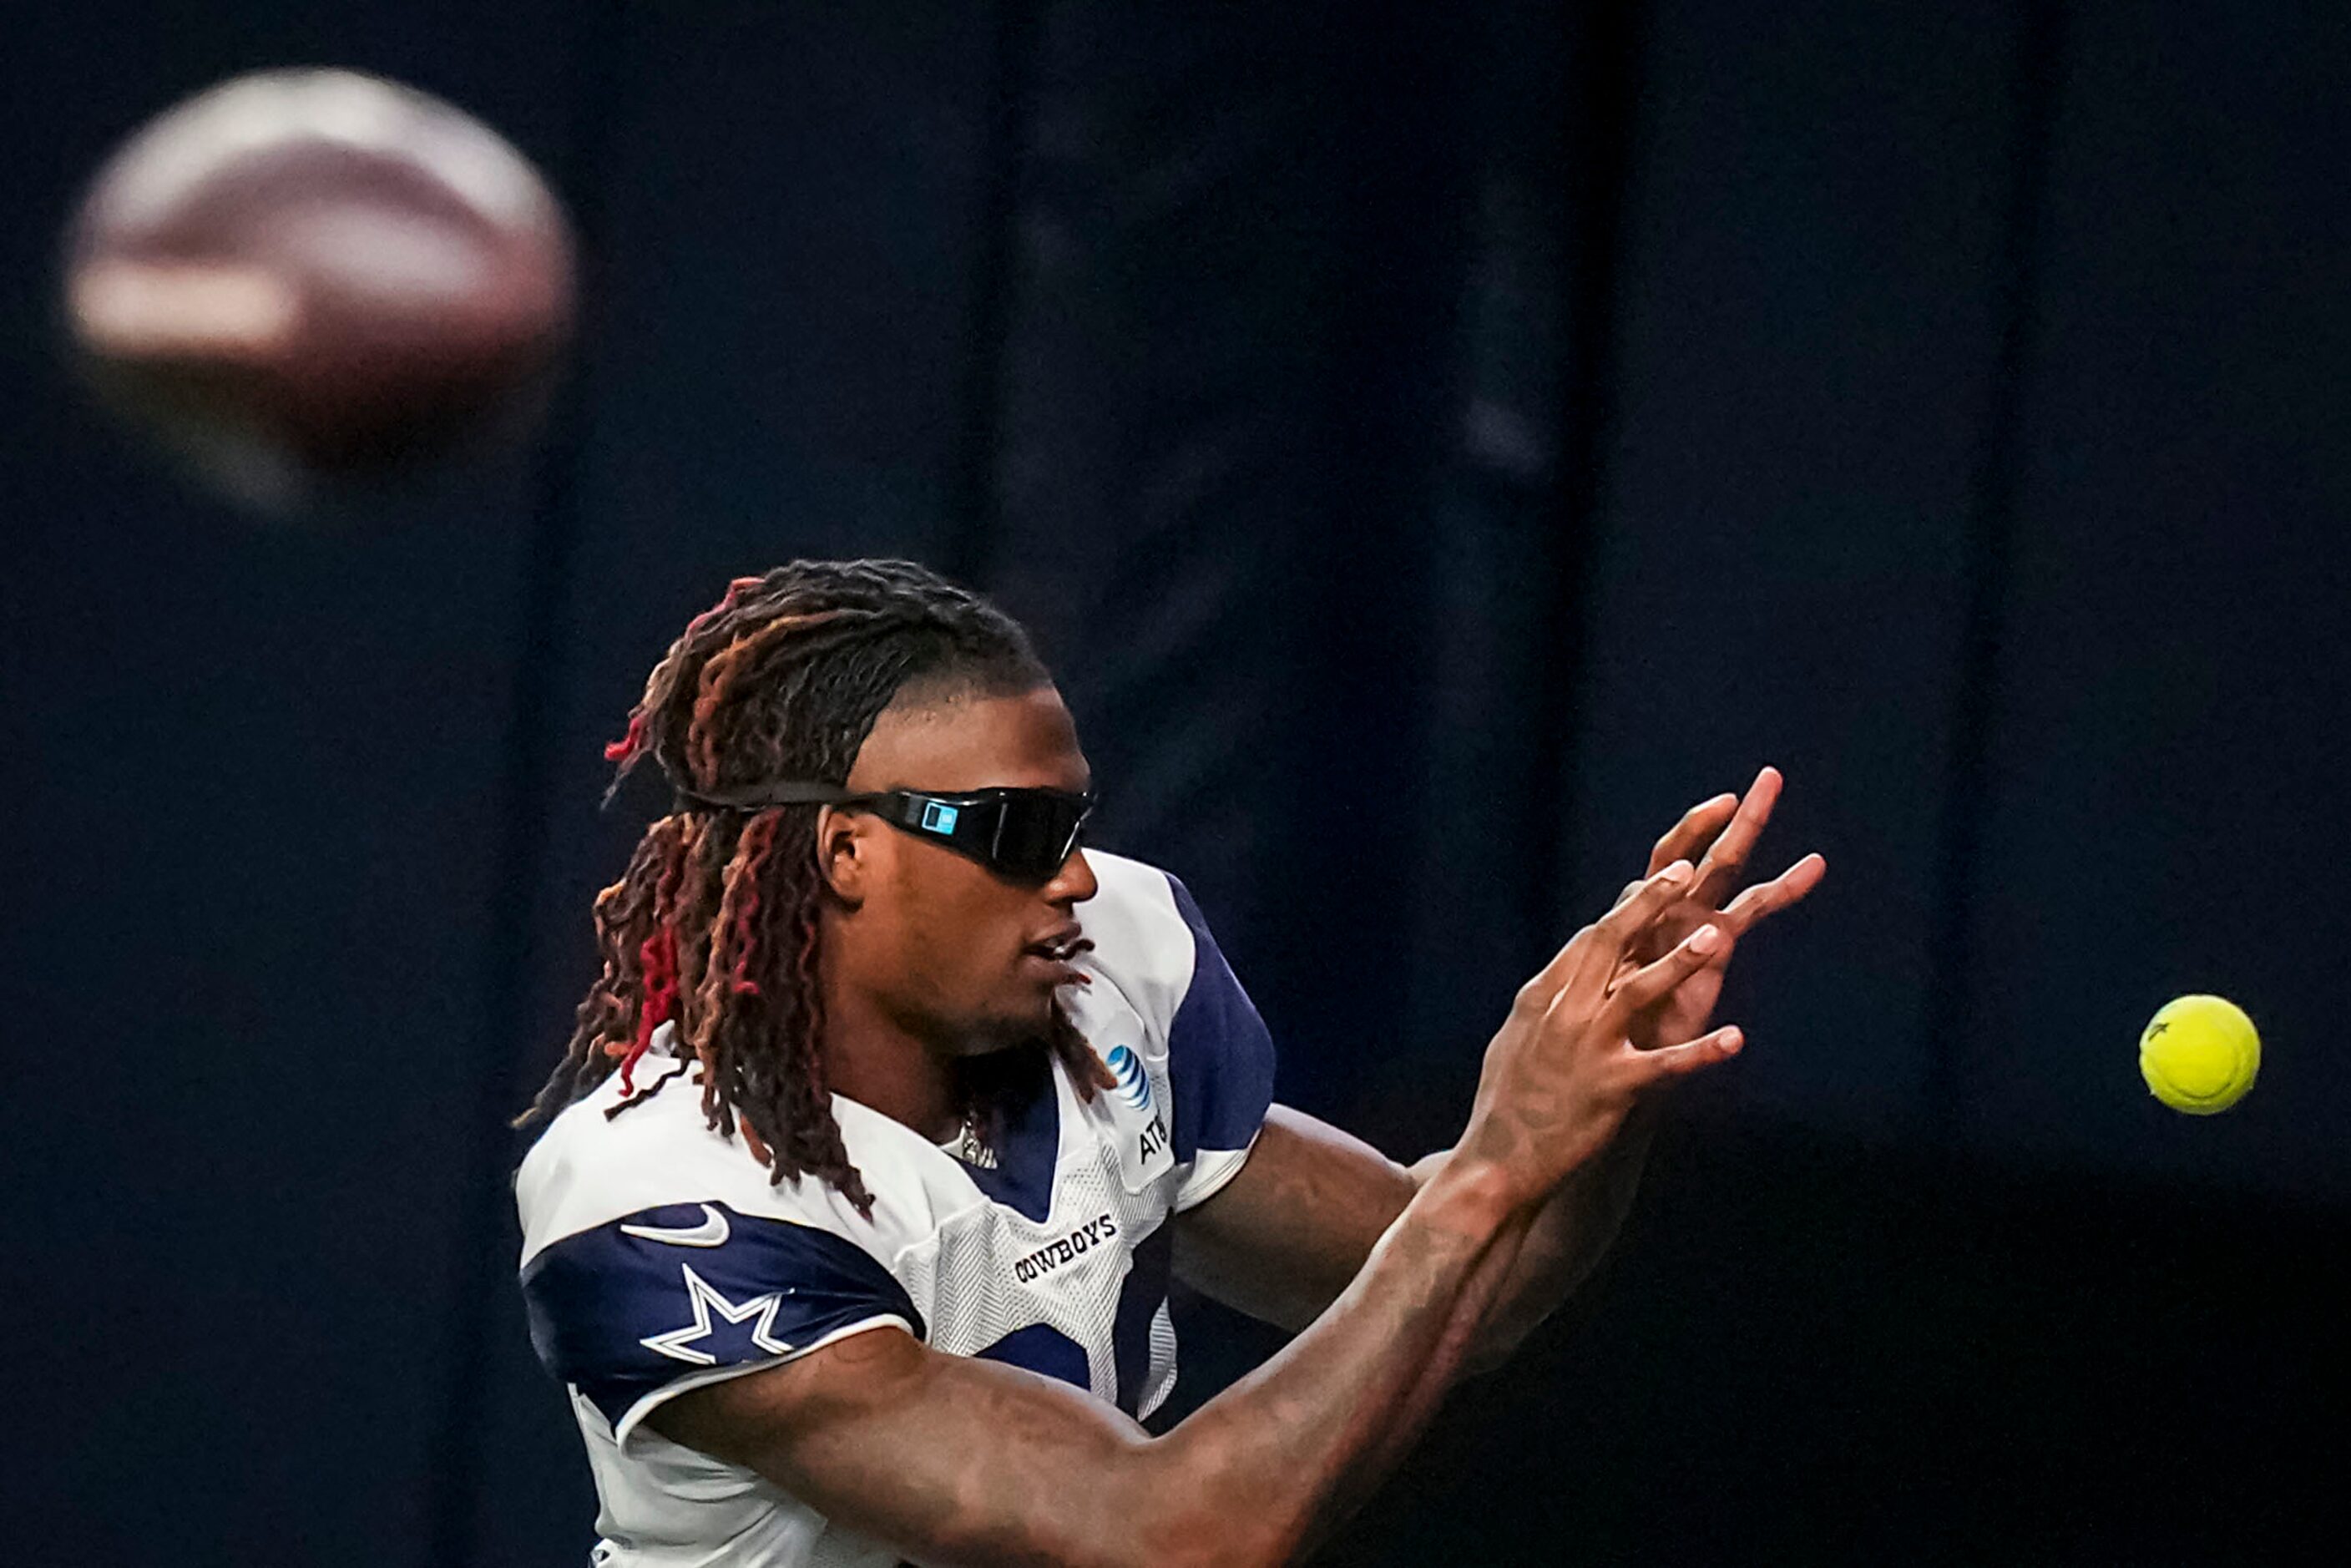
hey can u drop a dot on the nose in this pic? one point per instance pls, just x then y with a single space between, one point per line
1074 882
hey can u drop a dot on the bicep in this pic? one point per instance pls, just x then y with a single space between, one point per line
1293 1229
950 1459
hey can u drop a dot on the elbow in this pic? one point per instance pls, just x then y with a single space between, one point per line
1188 1520
1144 1532
1204 1537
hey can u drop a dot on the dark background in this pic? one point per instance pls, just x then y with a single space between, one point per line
1434 446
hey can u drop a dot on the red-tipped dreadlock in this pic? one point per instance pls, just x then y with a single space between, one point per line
713 925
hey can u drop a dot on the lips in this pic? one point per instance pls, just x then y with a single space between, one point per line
1061 947
1055 955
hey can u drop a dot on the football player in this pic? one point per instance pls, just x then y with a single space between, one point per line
894 1110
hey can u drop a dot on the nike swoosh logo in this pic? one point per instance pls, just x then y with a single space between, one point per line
711 1232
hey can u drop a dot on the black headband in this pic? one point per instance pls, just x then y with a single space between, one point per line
760 796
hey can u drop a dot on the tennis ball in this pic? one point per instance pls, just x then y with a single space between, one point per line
2198 1055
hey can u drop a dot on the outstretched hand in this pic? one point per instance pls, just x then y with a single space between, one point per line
1562 1074
1716 836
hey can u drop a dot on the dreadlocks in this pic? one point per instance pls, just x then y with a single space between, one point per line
715 923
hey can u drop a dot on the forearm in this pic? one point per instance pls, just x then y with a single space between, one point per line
991 1465
1291 1449
1565 1240
1292 1231
958 1461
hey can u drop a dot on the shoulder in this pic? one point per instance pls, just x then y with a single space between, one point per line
1153 945
592 1168
1142 944
1148 935
657 1255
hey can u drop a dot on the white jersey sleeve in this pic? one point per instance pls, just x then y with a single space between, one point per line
658 1258
652 1303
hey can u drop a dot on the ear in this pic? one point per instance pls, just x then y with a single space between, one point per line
845 853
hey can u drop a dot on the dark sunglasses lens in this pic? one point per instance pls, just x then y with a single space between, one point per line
1038 833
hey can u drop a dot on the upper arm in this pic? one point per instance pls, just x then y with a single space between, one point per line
633 1311
1288 1232
789 1349
950 1459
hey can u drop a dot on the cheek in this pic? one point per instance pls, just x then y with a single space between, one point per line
960 938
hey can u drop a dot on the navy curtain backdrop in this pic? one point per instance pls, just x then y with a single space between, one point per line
1435 446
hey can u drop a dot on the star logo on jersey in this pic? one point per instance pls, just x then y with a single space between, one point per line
759 1311
1132 1086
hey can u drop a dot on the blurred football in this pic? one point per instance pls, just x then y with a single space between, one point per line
308 281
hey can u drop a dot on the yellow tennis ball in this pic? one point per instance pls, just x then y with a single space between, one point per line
2198 1055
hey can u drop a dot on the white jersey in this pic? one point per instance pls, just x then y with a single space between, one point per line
658 1256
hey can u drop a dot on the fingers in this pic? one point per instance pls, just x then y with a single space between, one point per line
1768 898
1595 950
1672 1061
1719 871
1631 915
1697 829
1646 985
1622 926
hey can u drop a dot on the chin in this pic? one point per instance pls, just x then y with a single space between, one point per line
986 1036
1021 1023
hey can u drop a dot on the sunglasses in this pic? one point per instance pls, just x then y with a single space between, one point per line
1024 834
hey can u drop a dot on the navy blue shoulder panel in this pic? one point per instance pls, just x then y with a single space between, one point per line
652 1296
1219 1053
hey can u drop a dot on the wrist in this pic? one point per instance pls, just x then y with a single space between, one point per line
1469 1193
